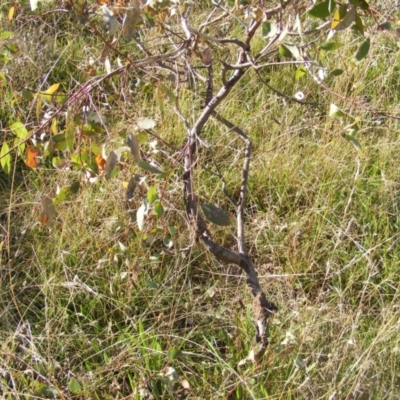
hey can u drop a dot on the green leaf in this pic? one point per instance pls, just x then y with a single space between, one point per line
152 284
152 195
331 46
216 215
5 159
172 230
173 354
343 18
5 35
354 141
74 386
289 50
47 392
358 25
168 92
148 167
336 72
300 72
323 10
27 95
269 29
19 130
159 209
66 192
363 50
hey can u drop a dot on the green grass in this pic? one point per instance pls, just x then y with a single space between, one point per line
90 311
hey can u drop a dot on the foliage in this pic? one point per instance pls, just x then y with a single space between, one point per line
104 126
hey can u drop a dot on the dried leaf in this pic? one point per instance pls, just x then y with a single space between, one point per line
30 156
133 144
110 20
141 214
132 18
111 162
145 123
101 162
48 211
206 56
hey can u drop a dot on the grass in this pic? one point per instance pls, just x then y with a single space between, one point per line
90 310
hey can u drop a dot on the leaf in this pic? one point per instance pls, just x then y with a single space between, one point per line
47 392
335 111
101 162
343 18
48 211
110 20
152 195
130 190
27 94
168 92
354 141
336 72
30 156
66 192
133 144
74 386
33 4
269 29
48 94
363 50
5 35
152 284
18 129
11 13
159 209
174 353
148 167
300 72
206 56
358 26
5 158
132 18
111 162
3 79
331 46
323 10
284 51
141 214
216 215
145 123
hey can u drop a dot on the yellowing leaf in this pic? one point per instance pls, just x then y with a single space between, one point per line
343 18
11 13
48 94
5 158
30 156
18 129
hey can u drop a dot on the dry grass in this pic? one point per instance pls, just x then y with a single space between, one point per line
87 311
